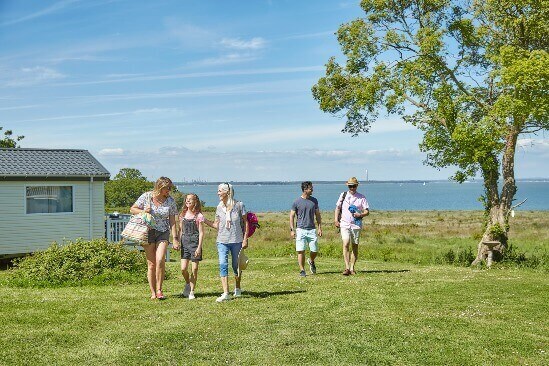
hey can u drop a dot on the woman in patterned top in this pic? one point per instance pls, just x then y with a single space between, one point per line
162 207
232 232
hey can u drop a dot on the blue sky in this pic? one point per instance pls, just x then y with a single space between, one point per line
211 90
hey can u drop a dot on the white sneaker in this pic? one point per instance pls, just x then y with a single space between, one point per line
223 297
237 292
191 296
186 290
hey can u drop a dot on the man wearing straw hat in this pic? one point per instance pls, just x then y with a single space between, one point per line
351 207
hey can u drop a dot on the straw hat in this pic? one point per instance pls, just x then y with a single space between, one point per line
352 181
242 260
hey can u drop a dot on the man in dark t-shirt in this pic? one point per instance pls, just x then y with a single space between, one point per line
306 209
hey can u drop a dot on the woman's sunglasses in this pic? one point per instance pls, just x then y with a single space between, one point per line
352 186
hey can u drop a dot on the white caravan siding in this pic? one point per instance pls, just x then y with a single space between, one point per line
25 233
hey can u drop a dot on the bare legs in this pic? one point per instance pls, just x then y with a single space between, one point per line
346 243
190 278
156 266
301 259
354 257
350 256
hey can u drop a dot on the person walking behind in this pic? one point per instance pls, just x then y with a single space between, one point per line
232 237
306 209
191 223
162 207
351 207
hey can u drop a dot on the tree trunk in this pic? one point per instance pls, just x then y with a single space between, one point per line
498 206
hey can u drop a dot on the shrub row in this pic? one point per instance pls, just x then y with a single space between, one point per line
79 262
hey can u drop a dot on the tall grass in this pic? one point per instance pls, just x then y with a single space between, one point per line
426 237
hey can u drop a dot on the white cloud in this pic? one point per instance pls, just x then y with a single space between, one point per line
263 71
225 59
20 107
316 164
99 115
255 43
309 35
111 152
33 75
189 35
533 144
57 7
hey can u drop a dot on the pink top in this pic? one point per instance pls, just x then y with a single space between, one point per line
359 200
190 215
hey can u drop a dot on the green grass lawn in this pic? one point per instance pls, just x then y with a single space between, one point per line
387 314
400 309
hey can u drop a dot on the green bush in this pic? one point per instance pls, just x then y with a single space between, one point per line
79 262
462 257
513 257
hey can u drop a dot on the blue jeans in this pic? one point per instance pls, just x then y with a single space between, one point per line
223 252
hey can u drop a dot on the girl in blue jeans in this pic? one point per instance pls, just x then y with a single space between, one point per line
232 230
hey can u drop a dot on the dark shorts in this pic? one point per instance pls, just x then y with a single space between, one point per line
158 236
187 252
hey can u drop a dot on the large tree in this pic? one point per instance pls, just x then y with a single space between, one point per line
8 140
473 75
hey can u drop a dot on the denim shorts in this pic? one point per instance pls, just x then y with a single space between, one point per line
156 237
187 252
304 237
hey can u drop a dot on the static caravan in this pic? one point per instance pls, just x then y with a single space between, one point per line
49 195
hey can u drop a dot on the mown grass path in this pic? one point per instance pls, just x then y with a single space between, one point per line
387 314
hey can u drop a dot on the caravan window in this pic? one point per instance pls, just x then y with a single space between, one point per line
49 199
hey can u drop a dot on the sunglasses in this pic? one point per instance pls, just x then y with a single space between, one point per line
352 186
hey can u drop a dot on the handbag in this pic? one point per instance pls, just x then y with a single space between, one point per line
137 228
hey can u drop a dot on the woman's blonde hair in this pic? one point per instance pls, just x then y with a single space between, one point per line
226 187
160 183
197 207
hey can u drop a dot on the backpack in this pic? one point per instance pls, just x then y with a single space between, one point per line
253 223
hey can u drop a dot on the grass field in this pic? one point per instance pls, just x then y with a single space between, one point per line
421 237
400 309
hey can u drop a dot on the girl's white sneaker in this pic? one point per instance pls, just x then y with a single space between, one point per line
223 297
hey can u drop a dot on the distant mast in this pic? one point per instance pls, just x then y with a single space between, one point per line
366 175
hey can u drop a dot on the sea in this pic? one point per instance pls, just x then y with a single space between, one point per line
392 196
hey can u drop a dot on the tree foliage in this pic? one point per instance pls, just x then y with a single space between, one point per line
126 187
472 75
9 141
129 173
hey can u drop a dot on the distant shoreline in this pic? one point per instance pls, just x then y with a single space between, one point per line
200 183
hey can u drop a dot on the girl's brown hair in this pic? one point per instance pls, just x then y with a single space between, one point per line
197 207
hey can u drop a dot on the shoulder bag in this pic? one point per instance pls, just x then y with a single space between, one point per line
137 228
341 208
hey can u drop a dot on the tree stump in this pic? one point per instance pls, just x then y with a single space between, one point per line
490 245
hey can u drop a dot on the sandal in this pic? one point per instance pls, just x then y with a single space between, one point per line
346 272
160 295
